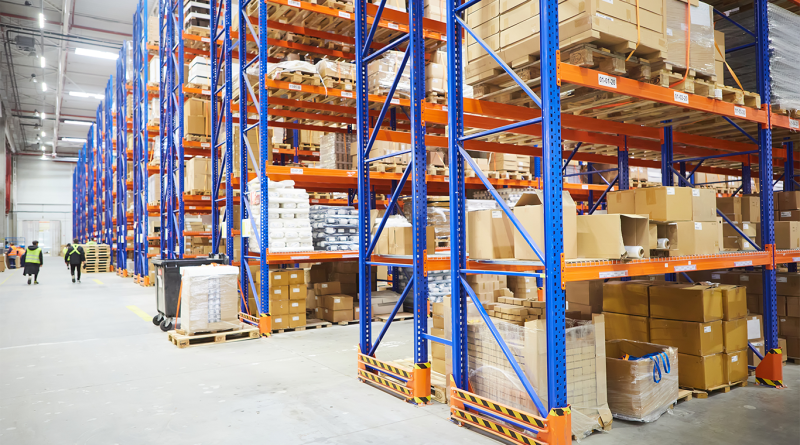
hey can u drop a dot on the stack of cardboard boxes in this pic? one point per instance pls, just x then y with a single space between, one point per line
745 212
197 175
333 151
438 329
787 220
334 291
197 117
504 162
706 322
287 298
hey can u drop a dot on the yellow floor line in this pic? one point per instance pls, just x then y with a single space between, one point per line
97 281
142 314
4 280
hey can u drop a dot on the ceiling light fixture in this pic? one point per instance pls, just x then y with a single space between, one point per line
41 20
43 61
79 140
98 54
44 86
43 133
84 123
82 94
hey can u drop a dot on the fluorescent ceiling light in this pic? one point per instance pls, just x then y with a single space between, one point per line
43 134
43 61
43 148
44 115
79 140
44 86
41 20
82 94
98 54
85 123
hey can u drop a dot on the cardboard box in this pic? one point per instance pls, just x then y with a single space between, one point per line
788 200
278 278
789 326
297 306
607 236
755 330
311 299
751 208
585 293
626 327
733 241
792 306
279 293
490 235
693 302
734 301
279 322
753 281
781 305
664 203
530 212
689 337
689 237
318 273
297 320
296 276
788 284
704 203
337 302
730 205
789 215
793 347
197 174
734 366
734 335
787 235
400 241
700 372
279 307
328 288
298 292
632 392
627 297
755 303
337 316
621 202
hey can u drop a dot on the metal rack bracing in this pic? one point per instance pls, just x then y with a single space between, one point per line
121 162
141 149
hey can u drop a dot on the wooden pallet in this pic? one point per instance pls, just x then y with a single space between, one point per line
310 324
346 322
400 316
197 137
519 176
438 171
436 97
794 360
387 167
704 393
197 192
684 395
246 332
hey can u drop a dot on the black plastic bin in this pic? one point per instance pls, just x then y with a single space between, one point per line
168 286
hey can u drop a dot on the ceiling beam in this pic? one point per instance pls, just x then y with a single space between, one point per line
52 22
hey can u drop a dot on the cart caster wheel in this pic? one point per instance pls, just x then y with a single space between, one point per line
158 319
166 325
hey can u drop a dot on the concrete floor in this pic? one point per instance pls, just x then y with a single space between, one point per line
78 366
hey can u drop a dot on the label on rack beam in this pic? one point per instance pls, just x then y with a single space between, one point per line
350 255
444 108
205 144
715 276
295 87
393 26
344 15
606 81
296 171
794 124
205 39
294 3
614 274
315 201
300 257
205 198
686 268
742 264
681 97
740 111
205 92
796 259
396 101
191 207
585 186
347 94
782 279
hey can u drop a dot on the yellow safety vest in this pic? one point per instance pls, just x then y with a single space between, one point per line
33 256
91 242
74 250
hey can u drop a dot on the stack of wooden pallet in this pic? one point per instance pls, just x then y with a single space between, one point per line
98 257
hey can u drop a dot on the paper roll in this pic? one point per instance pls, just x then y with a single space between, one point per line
663 243
634 251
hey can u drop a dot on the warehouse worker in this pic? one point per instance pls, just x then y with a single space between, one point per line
93 241
75 257
33 260
15 253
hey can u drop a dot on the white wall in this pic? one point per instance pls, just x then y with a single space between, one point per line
43 192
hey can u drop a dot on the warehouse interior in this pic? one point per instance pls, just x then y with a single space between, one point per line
494 221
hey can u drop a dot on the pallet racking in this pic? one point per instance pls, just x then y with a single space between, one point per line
140 152
121 163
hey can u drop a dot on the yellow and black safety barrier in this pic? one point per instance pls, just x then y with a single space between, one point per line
473 399
384 366
493 427
396 387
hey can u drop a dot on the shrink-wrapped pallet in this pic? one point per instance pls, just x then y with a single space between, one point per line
699 30
784 57
209 298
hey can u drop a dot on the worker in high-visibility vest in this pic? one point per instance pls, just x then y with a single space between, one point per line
33 260
92 242
75 257
14 255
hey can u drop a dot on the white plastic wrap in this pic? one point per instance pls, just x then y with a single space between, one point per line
634 392
784 54
700 32
334 228
209 298
288 213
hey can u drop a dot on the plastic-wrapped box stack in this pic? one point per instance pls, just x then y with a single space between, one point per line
510 195
701 36
334 228
438 285
209 299
333 151
382 73
289 225
784 55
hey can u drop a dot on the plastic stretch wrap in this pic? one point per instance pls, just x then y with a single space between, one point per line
209 298
636 389
784 54
334 228
289 223
492 376
382 73
700 33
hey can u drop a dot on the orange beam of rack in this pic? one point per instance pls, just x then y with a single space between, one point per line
787 256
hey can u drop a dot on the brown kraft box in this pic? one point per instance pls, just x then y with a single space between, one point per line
627 297
734 335
626 327
686 302
689 337
329 288
734 366
700 372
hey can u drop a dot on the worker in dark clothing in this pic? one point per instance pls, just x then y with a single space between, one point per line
75 257
33 260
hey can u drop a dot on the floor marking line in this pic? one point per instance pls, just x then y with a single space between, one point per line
142 314
5 280
97 281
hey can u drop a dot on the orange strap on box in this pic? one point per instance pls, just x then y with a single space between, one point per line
638 32
688 41
729 67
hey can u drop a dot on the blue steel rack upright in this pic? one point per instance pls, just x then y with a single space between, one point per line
91 187
414 386
171 55
140 144
107 233
121 161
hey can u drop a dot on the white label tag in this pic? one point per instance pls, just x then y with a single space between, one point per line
603 16
669 32
496 214
794 124
609 1
294 3
300 257
681 97
246 228
344 15
205 39
606 81
295 304
277 291
278 320
296 290
743 264
296 171
670 190
781 279
695 192
734 359
707 329
337 300
698 226
350 256
745 226
739 111
324 285
295 87
585 186
205 92
614 274
396 101
715 276
796 259
786 214
205 144
444 108
314 201
685 268
347 94
393 26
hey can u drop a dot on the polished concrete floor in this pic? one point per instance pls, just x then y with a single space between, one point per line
80 364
